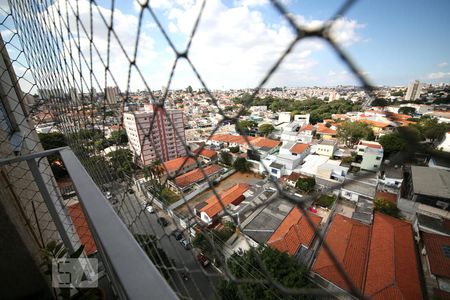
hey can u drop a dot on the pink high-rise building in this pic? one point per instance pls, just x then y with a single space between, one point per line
164 142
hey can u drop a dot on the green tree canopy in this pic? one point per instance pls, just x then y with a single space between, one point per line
351 132
246 126
225 158
119 137
121 160
305 185
266 129
380 102
393 142
241 164
52 140
407 110
284 269
386 207
234 149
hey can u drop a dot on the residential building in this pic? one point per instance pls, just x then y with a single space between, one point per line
326 147
380 259
165 141
429 186
323 132
291 155
360 185
112 94
207 156
284 117
295 234
369 156
291 180
197 176
390 178
306 134
179 166
210 209
331 175
414 90
302 119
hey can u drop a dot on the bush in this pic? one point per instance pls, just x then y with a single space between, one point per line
325 201
241 165
386 207
305 185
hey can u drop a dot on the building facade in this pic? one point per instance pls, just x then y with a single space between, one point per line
165 140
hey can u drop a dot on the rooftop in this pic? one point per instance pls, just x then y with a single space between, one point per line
437 225
175 164
82 228
321 128
431 182
206 152
229 138
294 232
438 251
196 175
299 148
262 142
364 188
328 142
370 144
214 207
294 176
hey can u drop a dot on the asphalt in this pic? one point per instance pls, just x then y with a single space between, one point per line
201 281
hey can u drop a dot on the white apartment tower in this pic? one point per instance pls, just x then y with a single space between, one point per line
414 90
164 142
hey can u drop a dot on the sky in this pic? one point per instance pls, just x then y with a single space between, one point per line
238 41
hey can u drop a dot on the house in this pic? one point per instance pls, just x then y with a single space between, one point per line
306 133
210 209
436 253
330 174
294 232
207 156
261 147
290 156
440 161
291 180
368 156
390 178
431 224
429 186
380 259
179 166
194 177
323 132
229 140
362 184
326 147
311 164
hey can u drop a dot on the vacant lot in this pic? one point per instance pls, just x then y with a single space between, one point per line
223 185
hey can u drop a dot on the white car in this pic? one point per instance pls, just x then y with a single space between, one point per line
150 209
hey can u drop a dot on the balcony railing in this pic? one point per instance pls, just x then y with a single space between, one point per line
131 273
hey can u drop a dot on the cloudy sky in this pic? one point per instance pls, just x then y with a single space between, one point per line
237 42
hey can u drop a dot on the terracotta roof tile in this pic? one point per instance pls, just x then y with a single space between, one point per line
207 152
232 195
299 148
229 138
435 245
307 127
265 142
322 129
294 176
349 241
82 228
294 231
374 145
175 164
196 175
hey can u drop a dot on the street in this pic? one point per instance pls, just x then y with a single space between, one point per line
199 284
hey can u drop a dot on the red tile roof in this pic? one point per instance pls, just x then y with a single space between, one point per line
196 175
207 153
375 123
175 164
82 228
307 127
322 129
439 263
260 142
294 176
294 231
387 196
232 195
382 261
349 241
299 148
374 145
392 269
229 138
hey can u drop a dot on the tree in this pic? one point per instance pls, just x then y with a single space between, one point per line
393 142
246 126
234 149
266 129
168 196
225 158
386 207
305 185
241 164
325 200
407 110
351 132
284 269
380 102
121 160
119 137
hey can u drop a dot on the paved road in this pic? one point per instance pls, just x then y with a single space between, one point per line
140 221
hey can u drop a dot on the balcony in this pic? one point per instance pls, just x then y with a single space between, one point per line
126 270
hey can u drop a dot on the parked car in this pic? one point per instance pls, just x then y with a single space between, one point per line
202 259
162 221
177 234
150 209
185 243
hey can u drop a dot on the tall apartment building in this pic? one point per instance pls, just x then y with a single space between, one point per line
414 90
164 142
111 93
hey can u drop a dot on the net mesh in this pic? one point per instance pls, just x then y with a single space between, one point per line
63 53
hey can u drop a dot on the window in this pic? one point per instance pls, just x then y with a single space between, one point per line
274 171
378 158
375 166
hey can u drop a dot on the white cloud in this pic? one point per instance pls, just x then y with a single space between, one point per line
252 2
443 64
438 75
